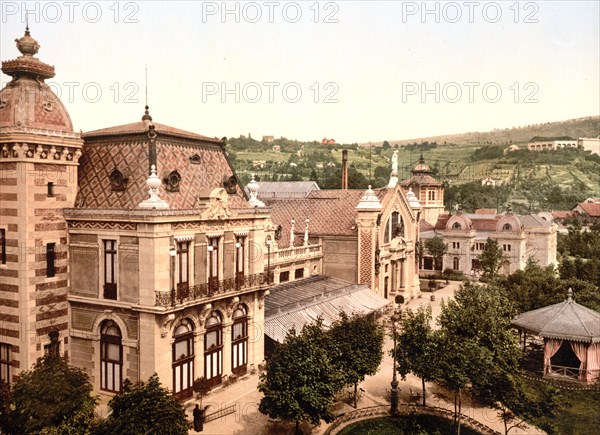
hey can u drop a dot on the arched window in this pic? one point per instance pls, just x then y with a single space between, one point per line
213 348
239 341
456 226
183 359
394 227
111 357
507 227
455 263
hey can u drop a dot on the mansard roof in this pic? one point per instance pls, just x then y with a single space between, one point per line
190 166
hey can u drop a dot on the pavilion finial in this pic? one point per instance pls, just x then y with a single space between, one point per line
570 295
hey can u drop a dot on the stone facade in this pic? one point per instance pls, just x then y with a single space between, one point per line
39 153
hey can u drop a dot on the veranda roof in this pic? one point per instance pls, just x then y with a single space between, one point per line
294 304
566 320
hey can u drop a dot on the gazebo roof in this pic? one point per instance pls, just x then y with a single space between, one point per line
566 320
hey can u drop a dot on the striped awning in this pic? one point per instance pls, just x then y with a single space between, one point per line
350 298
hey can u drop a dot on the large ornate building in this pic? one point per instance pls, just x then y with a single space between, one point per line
368 237
131 249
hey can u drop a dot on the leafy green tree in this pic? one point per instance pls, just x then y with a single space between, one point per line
386 145
490 259
300 380
53 397
415 349
313 175
357 343
145 408
437 249
476 346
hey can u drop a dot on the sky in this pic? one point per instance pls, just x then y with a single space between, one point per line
355 71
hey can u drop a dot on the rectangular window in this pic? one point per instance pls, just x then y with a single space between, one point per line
431 195
50 259
299 273
213 264
284 276
110 269
5 362
50 188
455 245
2 246
506 248
183 269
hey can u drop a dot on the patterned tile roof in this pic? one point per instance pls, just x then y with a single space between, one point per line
534 221
331 213
565 321
485 211
142 128
201 164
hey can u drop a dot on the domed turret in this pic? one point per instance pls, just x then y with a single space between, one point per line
26 101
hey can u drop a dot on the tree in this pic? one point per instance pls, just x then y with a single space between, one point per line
477 347
437 249
70 410
357 343
201 387
416 346
145 407
386 145
490 259
300 381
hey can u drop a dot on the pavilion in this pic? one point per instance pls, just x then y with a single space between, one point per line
571 334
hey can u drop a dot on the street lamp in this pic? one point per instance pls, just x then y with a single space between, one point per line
268 242
172 253
394 393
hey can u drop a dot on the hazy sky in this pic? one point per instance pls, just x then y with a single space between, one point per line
355 71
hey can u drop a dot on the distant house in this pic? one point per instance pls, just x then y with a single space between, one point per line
319 165
331 164
539 143
277 148
488 181
588 210
268 139
259 164
510 149
591 144
326 141
285 189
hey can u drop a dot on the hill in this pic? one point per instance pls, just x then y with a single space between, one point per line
579 127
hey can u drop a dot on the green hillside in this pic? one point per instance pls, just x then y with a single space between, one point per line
580 127
529 180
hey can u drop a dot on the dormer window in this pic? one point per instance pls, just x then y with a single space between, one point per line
195 159
172 181
118 181
507 227
456 226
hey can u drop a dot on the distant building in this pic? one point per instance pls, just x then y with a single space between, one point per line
488 181
589 210
510 149
326 141
285 189
551 143
259 164
276 148
519 237
591 144
429 191
319 165
268 139
331 164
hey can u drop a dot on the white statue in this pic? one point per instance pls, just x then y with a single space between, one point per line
395 161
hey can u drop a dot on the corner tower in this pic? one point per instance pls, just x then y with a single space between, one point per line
39 155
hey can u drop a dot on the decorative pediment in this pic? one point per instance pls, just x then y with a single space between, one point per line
218 207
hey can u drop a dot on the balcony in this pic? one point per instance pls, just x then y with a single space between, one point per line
207 290
296 253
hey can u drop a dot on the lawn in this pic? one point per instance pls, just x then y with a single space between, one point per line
406 425
578 413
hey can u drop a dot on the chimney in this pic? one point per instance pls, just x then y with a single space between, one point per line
345 170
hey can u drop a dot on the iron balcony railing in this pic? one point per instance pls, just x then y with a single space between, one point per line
185 293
